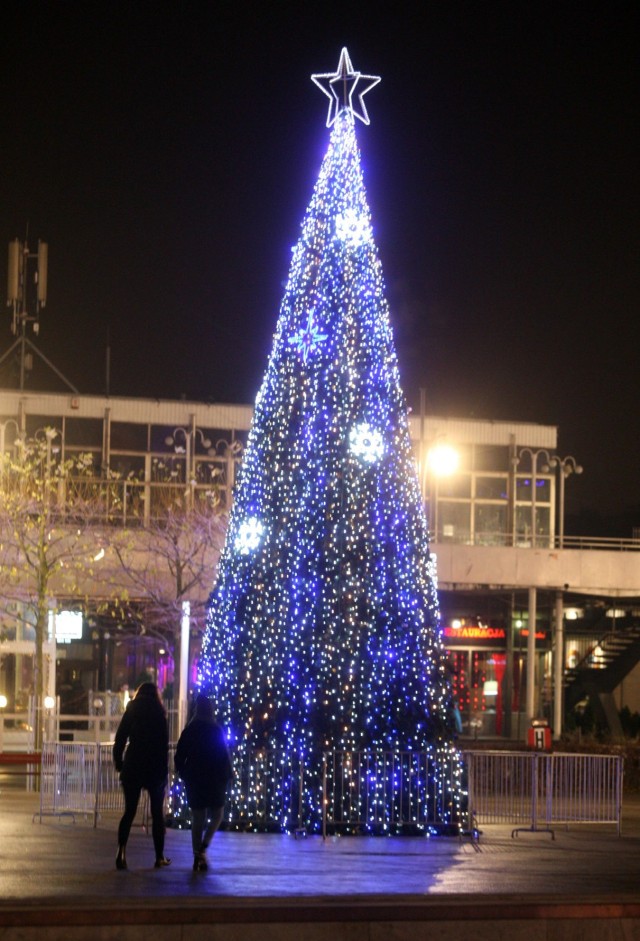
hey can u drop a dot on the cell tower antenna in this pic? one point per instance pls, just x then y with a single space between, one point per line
27 294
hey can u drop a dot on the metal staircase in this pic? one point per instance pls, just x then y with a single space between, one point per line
597 675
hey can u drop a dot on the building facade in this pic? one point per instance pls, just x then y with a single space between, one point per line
522 603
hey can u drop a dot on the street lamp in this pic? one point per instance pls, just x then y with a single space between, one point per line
565 466
190 436
229 450
50 434
442 461
531 639
3 428
534 455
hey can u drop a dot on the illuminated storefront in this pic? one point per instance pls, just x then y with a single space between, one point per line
489 676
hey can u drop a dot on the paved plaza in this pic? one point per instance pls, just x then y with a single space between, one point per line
59 881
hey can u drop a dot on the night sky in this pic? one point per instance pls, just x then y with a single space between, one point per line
167 154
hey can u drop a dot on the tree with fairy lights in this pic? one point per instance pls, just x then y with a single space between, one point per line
323 625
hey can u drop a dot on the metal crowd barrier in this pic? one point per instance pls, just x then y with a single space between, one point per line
390 792
65 780
81 779
267 789
535 791
366 792
270 791
357 792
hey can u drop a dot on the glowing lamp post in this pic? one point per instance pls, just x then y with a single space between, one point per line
442 461
49 703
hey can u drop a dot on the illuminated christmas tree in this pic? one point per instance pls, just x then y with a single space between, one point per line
323 626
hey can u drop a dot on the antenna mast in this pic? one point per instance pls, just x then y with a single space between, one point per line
25 293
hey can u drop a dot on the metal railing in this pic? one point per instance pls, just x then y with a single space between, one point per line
497 538
366 792
390 791
351 792
131 502
536 791
81 779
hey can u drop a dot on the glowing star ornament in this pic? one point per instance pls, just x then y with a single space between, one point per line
366 443
341 86
308 339
352 229
249 536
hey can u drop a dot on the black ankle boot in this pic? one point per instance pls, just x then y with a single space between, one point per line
121 859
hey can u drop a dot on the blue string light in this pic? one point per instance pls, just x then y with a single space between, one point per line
323 625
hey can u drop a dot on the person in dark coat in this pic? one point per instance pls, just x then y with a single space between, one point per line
202 761
141 755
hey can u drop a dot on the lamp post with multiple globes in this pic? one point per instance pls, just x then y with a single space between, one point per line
190 436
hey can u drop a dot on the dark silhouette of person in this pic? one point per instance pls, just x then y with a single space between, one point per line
202 761
141 755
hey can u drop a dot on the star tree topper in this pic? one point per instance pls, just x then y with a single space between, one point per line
340 87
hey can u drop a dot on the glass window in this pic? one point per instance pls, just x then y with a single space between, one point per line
207 471
460 679
128 465
454 522
172 468
490 524
491 488
543 489
543 521
523 525
455 485
490 457
160 434
128 436
477 680
35 423
83 432
89 465
220 439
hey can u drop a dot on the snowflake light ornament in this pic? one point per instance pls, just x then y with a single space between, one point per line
308 338
366 443
352 229
249 535
340 87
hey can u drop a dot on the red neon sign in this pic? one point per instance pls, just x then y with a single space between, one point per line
475 633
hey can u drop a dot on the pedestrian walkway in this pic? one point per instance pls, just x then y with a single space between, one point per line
58 880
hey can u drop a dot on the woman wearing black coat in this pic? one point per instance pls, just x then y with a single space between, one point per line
144 764
203 763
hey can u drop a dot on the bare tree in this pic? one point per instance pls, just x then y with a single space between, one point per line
48 506
171 557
